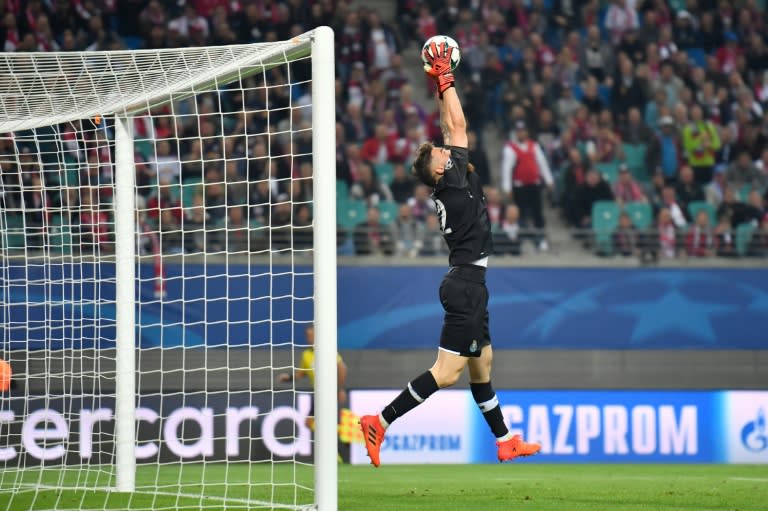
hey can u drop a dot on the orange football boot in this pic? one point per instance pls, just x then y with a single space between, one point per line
516 447
373 433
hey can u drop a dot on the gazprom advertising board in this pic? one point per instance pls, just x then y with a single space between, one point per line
580 426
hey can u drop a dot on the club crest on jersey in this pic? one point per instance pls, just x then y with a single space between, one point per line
449 164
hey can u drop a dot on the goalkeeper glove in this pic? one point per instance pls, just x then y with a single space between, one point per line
439 66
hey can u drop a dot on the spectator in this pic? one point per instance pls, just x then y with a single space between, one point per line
507 237
744 173
700 240
688 190
408 233
382 43
667 234
625 237
620 18
700 144
596 56
626 189
686 33
189 21
368 187
575 174
394 78
627 90
402 185
524 169
593 190
380 148
94 224
670 203
724 237
421 204
478 157
567 105
738 212
715 190
162 200
166 165
371 237
635 131
433 243
194 226
666 150
591 98
494 205
728 54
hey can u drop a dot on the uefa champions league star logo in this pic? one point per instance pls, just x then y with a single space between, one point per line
754 437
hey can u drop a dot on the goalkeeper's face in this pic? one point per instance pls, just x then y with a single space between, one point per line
440 157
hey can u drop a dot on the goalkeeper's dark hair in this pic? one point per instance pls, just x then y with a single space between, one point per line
422 164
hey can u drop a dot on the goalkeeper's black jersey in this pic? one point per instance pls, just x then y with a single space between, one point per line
462 211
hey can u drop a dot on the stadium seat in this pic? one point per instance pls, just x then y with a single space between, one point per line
744 191
388 210
385 172
635 159
342 190
60 239
350 213
641 214
605 220
696 206
744 233
697 56
604 92
188 191
146 147
610 170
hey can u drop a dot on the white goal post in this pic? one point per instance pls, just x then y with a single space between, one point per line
167 234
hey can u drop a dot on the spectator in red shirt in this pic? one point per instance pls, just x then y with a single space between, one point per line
728 55
380 148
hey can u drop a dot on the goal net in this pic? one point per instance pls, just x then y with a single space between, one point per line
167 235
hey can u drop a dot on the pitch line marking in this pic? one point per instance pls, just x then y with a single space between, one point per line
225 500
754 479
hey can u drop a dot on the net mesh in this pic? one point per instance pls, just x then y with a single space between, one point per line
224 204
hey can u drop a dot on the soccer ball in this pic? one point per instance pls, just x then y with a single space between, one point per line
449 41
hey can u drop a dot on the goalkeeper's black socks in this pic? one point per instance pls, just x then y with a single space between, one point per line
416 393
488 403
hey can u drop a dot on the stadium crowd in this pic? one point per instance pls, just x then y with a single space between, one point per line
642 123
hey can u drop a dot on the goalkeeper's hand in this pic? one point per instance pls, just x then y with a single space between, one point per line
439 66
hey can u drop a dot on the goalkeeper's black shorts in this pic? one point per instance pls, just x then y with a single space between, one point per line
465 300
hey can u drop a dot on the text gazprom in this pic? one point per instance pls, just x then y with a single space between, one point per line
607 429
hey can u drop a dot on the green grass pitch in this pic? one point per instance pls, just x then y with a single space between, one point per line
401 488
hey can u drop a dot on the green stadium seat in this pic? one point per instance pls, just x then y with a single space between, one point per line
605 220
744 191
641 214
145 147
342 190
60 239
350 213
635 159
190 187
744 233
385 172
696 206
388 210
609 171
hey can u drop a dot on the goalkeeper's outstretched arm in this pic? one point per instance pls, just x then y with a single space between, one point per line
452 121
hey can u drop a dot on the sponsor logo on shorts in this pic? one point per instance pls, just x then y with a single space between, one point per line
473 346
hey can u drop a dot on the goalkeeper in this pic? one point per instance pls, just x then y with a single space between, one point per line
464 340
